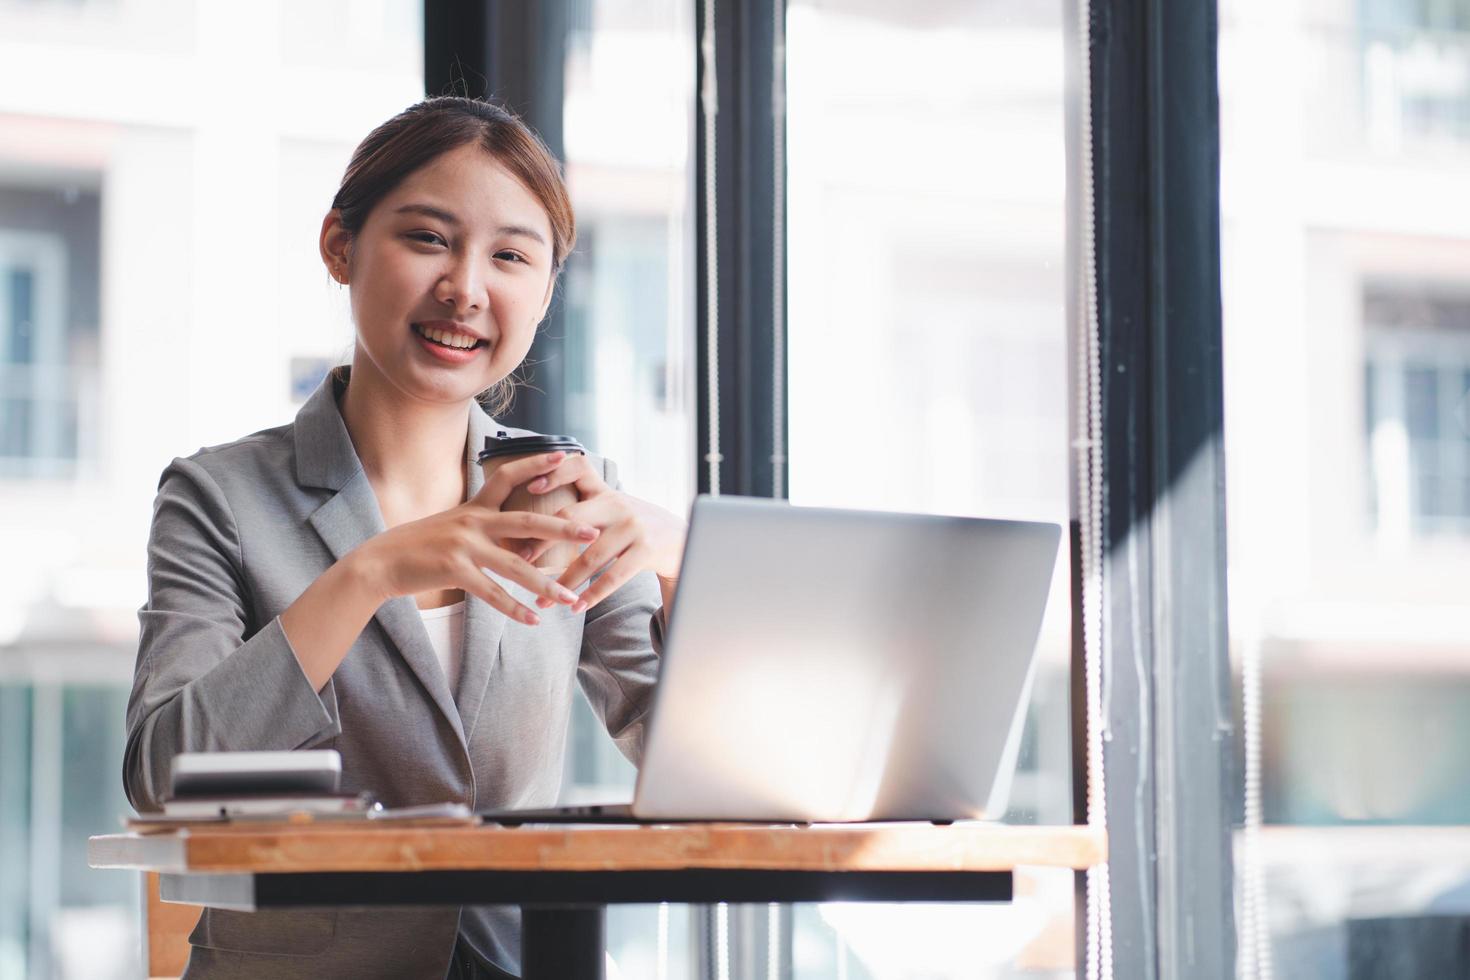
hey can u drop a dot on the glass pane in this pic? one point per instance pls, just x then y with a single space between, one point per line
15 427
628 295
15 826
1421 393
20 319
160 201
927 358
628 289
1346 274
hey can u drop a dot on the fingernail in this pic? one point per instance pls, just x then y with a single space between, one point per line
567 595
587 533
529 618
537 485
579 606
543 603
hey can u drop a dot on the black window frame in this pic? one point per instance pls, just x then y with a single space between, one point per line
1172 789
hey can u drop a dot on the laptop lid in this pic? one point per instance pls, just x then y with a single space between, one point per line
844 665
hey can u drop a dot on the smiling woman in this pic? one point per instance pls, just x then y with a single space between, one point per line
352 581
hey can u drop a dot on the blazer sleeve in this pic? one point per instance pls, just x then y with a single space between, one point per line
207 678
622 640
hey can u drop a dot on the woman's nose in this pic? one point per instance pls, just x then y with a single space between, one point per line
461 288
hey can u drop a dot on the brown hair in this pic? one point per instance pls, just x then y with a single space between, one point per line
420 134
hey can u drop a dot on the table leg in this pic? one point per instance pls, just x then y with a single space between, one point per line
563 942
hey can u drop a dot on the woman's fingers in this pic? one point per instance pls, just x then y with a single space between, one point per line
519 570
482 586
617 575
510 475
595 512
576 471
600 511
530 535
609 545
521 526
532 551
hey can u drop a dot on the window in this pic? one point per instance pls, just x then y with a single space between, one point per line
1414 77
48 330
628 289
1383 76
927 321
928 365
1417 396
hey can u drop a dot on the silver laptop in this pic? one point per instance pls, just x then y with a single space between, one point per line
839 665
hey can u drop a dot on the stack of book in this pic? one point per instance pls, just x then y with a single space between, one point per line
269 787
270 806
261 785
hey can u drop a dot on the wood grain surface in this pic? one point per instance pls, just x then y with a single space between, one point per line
169 925
872 847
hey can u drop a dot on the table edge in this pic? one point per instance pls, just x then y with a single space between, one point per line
284 849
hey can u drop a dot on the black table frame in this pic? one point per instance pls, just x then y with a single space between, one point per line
562 932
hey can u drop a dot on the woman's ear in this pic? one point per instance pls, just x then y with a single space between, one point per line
336 246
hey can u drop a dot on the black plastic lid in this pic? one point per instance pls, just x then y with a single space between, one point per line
501 444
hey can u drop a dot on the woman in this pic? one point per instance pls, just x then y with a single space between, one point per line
320 585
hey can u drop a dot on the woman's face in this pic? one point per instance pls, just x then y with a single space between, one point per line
449 276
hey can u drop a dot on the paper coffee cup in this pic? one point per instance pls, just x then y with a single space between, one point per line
501 449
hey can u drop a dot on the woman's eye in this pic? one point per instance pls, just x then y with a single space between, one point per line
509 256
427 237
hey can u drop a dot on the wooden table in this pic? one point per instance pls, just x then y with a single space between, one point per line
564 876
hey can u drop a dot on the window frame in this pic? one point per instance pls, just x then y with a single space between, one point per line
1172 790
1169 762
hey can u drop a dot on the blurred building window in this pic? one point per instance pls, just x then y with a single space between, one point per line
48 329
1383 76
1417 394
1414 55
1414 68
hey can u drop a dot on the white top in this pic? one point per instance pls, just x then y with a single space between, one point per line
445 627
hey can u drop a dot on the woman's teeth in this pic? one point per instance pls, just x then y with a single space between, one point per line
447 339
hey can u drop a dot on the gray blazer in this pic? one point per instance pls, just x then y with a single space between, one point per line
239 531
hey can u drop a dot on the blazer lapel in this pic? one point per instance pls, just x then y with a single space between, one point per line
346 521
325 458
484 625
484 628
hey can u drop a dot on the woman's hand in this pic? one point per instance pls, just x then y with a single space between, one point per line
448 550
635 534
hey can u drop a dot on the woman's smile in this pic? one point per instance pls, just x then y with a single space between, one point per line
448 341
